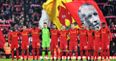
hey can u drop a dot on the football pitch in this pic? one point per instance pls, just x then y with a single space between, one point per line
46 60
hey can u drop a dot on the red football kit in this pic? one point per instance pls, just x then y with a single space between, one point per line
73 39
25 41
63 42
90 39
97 43
63 39
83 39
105 38
35 37
35 32
73 43
13 39
97 40
54 39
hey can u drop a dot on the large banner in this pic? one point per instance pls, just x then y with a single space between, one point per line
87 12
51 7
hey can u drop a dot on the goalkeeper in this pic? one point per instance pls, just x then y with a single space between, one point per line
45 41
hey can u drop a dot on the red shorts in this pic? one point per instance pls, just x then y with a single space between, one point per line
73 46
14 45
97 45
83 46
53 46
105 46
63 45
35 45
24 45
90 46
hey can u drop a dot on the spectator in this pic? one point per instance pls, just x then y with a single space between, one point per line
7 50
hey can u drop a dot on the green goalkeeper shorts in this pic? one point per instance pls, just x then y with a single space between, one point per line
45 44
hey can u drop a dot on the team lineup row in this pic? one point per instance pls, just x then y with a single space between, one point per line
89 40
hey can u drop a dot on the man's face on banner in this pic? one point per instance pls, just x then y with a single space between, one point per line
89 16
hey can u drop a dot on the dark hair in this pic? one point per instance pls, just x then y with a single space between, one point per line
103 23
82 23
13 29
90 25
97 27
45 23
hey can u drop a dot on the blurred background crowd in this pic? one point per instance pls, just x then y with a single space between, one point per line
28 12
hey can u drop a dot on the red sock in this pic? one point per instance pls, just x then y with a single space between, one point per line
81 53
12 54
70 54
23 54
33 53
108 54
61 55
66 55
76 55
37 53
27 54
89 54
86 54
95 54
101 54
17 52
105 54
57 55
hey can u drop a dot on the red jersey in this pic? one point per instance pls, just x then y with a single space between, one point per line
97 36
24 35
83 35
90 36
105 35
63 36
35 34
73 35
54 36
73 39
63 39
13 37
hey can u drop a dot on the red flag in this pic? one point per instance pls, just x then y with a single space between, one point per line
73 8
64 14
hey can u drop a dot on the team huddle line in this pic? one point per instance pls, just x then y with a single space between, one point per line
91 43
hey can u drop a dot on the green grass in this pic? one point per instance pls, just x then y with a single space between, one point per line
44 60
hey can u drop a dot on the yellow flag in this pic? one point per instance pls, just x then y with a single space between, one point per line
51 7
